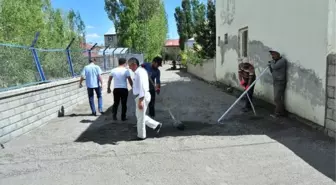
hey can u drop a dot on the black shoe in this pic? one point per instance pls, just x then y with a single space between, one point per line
102 112
158 128
94 114
115 118
124 119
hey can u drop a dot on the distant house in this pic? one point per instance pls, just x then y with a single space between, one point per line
86 46
111 39
189 44
172 48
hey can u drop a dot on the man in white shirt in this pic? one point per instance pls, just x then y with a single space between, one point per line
120 92
143 97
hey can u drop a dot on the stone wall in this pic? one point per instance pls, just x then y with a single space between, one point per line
330 122
24 109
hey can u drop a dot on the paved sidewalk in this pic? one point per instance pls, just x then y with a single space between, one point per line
83 150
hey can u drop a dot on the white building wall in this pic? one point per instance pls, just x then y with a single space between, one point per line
206 71
298 29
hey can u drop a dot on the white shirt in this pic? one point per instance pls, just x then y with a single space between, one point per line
120 75
141 83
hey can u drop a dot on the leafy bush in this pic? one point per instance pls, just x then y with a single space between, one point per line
190 56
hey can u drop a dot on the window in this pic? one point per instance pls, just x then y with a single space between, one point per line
226 41
243 42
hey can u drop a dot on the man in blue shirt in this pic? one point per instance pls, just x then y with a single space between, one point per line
92 74
154 81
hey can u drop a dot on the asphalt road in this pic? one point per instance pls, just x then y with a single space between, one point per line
79 149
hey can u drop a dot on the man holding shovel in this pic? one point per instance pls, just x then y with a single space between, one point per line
247 76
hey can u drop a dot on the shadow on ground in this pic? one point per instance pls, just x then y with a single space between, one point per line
198 113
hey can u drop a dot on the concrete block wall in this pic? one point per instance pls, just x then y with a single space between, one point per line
330 122
24 109
206 71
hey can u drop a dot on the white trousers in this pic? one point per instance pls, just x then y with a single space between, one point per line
142 118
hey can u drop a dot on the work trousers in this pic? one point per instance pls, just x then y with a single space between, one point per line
142 118
91 99
120 94
279 97
250 94
151 105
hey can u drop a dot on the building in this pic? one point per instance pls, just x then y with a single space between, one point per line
172 49
189 43
111 40
304 31
86 46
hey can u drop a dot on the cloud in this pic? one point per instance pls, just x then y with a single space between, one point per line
111 30
89 27
93 35
94 38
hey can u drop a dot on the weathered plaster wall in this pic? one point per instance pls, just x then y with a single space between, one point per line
330 122
205 71
298 29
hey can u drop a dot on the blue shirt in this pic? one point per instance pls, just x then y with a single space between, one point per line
154 74
91 73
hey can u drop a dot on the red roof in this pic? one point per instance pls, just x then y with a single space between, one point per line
87 47
172 43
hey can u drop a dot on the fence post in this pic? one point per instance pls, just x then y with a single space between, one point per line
113 56
91 50
105 68
69 58
36 59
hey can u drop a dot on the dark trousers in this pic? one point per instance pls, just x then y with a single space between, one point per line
91 99
250 94
120 94
279 97
151 105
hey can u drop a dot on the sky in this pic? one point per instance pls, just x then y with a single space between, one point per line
96 20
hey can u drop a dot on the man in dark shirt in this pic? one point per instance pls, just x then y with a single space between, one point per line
247 76
278 68
154 81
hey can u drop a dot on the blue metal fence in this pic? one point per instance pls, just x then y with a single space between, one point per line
27 65
22 66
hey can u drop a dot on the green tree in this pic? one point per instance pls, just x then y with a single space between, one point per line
197 20
211 16
181 26
140 24
19 21
187 16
